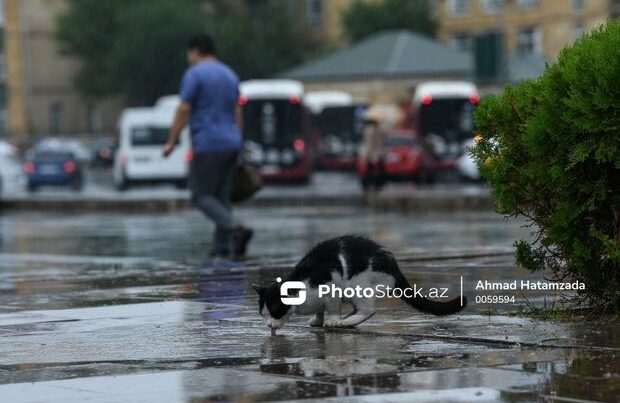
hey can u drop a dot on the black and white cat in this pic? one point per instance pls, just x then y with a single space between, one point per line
346 261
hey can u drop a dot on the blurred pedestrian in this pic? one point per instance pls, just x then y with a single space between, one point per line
209 101
373 155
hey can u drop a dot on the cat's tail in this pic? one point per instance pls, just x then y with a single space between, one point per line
437 308
426 305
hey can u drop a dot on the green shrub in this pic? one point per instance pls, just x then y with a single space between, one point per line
550 149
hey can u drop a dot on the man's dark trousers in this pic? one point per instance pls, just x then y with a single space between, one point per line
210 182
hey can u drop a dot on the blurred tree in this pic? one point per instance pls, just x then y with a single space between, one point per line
136 48
133 48
259 39
366 18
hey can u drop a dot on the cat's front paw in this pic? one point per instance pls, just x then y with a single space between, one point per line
335 322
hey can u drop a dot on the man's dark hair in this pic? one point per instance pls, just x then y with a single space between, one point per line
203 43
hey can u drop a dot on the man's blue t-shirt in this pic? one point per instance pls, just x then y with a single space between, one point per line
212 88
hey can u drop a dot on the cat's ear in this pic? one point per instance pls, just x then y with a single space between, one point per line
257 288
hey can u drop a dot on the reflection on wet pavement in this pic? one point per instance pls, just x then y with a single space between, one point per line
130 308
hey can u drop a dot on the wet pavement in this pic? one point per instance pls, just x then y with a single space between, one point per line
325 189
112 307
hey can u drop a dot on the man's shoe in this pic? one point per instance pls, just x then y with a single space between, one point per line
239 239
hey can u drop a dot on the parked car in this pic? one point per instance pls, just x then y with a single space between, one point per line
53 168
406 158
142 134
80 152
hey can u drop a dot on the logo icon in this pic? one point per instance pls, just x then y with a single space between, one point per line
292 285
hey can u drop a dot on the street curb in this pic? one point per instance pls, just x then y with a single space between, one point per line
425 202
437 203
94 205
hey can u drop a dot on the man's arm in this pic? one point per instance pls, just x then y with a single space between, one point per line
180 120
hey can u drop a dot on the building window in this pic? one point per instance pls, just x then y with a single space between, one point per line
314 12
461 41
529 41
459 7
577 31
492 6
56 117
527 3
578 5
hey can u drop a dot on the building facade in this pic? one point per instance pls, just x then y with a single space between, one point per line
539 27
41 99
322 19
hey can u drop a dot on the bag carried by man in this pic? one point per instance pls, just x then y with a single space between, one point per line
246 181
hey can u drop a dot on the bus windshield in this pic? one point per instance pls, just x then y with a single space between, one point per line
342 122
450 118
274 123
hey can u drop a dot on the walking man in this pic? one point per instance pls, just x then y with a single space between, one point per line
209 101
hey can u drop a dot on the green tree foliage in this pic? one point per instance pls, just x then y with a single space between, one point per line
366 18
258 40
551 150
133 48
136 48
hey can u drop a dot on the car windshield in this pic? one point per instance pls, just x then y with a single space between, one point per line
149 136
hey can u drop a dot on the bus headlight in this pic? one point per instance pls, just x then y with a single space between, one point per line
273 156
254 153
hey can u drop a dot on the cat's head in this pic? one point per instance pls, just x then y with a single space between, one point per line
270 306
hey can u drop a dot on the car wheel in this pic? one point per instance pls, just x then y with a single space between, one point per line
122 184
77 185
305 180
426 177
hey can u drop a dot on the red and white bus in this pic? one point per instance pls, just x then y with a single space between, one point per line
275 129
443 116
338 123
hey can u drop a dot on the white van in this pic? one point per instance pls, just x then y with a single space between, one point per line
142 134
